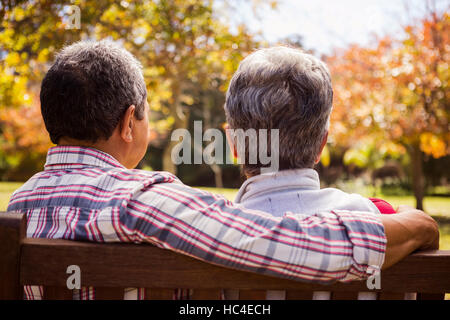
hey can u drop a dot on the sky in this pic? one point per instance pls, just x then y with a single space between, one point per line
328 24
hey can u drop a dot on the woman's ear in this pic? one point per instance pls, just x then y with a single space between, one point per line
230 140
324 142
127 124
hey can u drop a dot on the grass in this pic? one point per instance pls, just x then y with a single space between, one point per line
438 207
6 189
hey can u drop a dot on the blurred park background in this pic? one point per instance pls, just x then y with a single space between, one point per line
389 134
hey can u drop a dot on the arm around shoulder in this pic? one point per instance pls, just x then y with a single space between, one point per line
325 247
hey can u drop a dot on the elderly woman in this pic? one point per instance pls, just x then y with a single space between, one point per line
289 90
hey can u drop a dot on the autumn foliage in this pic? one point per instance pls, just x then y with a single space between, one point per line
394 95
391 97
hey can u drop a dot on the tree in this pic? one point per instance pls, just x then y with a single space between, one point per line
182 44
396 95
30 32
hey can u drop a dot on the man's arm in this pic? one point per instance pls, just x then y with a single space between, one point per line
324 247
407 231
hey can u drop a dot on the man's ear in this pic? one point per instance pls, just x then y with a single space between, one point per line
324 142
230 140
127 124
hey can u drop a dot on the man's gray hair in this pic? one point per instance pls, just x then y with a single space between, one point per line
287 89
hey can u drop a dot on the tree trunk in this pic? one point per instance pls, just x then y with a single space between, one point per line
418 178
167 162
216 169
217 175
181 122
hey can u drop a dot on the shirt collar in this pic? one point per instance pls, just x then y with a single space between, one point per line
304 179
74 157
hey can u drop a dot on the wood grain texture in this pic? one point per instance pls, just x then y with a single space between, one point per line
106 293
152 267
430 296
12 231
252 294
159 294
57 293
206 294
391 296
299 295
344 295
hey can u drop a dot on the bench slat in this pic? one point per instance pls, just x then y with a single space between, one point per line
12 230
206 294
103 265
252 294
391 296
159 294
298 295
344 295
57 293
430 296
102 293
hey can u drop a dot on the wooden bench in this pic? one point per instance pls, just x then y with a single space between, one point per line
112 267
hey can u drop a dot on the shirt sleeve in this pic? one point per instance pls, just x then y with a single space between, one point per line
323 248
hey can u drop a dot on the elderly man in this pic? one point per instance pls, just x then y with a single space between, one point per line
94 105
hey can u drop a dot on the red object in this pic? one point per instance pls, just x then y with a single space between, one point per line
383 206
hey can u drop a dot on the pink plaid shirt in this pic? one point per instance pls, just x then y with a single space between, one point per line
86 195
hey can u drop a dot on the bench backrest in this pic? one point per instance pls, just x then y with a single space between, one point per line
112 267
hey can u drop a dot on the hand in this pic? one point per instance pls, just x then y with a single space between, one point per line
429 223
407 231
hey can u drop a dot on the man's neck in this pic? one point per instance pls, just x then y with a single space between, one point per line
107 146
